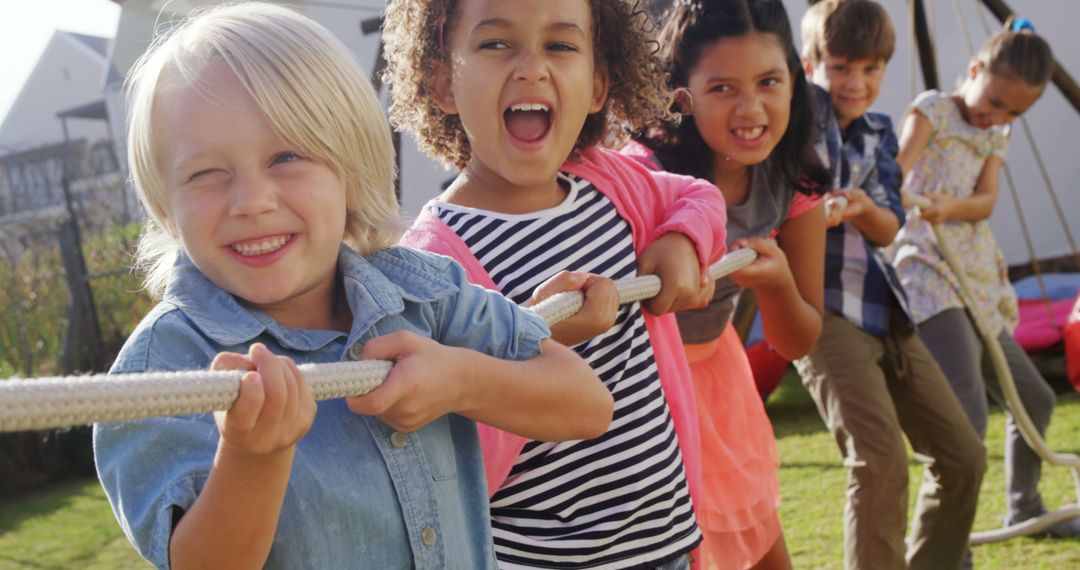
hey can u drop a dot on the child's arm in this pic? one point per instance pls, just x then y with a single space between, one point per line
531 386
683 285
914 136
877 224
788 283
554 396
979 206
233 521
596 315
876 209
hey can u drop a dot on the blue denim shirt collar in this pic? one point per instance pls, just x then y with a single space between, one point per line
375 287
867 123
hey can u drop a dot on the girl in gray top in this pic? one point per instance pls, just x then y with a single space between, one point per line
748 127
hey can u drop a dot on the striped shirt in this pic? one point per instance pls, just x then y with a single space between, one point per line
620 500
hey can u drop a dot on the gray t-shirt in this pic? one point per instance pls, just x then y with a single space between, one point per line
765 208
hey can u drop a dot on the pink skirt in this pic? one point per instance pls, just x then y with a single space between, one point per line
737 510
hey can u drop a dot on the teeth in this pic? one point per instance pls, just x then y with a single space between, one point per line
529 107
260 247
749 133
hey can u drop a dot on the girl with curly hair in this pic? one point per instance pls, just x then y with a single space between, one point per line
748 125
517 94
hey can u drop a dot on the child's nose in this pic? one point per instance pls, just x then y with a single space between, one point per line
853 81
531 66
749 104
252 196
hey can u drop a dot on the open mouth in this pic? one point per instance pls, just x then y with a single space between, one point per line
528 122
261 246
749 134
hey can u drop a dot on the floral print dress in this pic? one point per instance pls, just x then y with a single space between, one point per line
950 165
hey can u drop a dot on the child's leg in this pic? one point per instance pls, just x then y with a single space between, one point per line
777 558
955 344
1023 467
844 377
938 429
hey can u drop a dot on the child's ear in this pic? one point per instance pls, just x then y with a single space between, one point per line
974 67
684 100
808 66
601 83
441 85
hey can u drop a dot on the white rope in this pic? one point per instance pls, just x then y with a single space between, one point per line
1012 402
59 402
834 204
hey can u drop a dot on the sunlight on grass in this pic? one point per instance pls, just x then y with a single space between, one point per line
812 482
67 526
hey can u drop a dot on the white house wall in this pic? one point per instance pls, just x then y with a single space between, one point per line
68 74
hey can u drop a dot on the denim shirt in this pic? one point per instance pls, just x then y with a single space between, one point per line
360 495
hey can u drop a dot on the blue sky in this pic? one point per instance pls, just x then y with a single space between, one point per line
26 27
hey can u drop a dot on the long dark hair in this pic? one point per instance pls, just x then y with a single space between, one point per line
693 26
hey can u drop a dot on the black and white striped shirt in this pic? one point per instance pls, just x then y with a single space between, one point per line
617 501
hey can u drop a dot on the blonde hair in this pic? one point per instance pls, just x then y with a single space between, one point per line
313 94
854 29
415 33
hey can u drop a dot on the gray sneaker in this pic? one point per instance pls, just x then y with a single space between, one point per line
1065 529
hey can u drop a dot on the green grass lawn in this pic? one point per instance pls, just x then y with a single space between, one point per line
71 525
812 483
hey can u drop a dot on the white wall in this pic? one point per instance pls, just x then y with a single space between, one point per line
69 74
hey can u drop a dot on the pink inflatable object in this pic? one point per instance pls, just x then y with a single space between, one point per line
1040 329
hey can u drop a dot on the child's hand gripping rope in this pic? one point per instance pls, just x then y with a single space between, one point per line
58 402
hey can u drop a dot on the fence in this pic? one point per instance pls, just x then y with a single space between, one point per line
39 249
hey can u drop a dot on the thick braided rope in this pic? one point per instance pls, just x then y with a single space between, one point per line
58 402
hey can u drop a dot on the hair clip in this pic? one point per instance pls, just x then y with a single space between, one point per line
1021 24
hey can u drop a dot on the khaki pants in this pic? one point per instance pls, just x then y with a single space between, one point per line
869 390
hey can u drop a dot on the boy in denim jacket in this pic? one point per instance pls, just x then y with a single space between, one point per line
261 153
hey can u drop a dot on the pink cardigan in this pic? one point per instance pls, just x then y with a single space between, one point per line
652 203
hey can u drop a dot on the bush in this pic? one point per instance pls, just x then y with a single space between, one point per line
34 294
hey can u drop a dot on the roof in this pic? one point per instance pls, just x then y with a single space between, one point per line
98 44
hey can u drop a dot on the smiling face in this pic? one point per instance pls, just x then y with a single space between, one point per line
257 217
522 78
741 91
853 84
990 99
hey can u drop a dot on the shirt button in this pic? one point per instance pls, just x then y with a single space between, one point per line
356 351
428 536
399 439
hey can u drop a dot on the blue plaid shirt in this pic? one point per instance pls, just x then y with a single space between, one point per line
859 283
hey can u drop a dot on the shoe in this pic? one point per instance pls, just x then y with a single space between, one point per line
1065 529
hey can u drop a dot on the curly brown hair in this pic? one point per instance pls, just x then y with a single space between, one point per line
638 94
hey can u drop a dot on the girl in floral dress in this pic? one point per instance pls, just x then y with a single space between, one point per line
953 146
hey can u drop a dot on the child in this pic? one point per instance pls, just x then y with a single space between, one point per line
871 377
748 126
953 145
517 94
259 149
